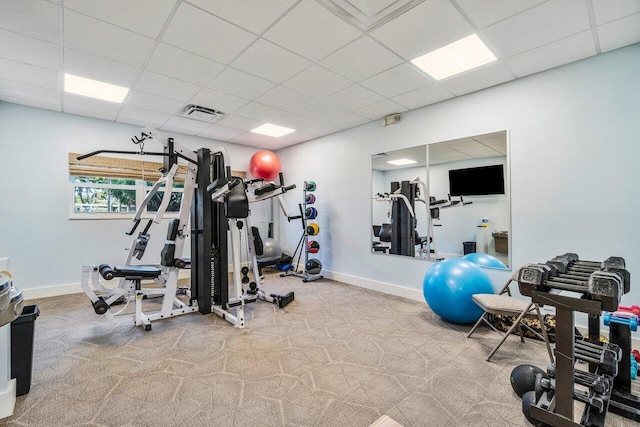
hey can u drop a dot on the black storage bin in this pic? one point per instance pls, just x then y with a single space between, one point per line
22 331
468 247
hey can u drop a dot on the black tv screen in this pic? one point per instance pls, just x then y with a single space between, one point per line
476 181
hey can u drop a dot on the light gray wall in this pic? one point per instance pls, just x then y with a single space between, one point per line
574 168
45 246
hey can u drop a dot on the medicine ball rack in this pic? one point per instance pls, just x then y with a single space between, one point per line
308 229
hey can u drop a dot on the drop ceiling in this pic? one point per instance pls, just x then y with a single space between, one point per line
318 66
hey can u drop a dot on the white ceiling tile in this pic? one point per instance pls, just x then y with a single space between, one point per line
271 62
106 40
165 86
217 100
29 102
185 126
18 90
480 152
381 109
155 103
146 17
198 32
279 143
220 133
96 68
320 111
256 18
261 112
239 83
320 130
348 120
361 59
538 26
141 117
456 155
353 97
429 26
620 33
396 81
492 138
479 78
79 102
284 98
295 121
487 12
29 50
183 65
317 82
88 113
29 74
609 10
426 95
553 55
42 23
312 31
251 139
239 122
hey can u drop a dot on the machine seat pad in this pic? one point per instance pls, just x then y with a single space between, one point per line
136 271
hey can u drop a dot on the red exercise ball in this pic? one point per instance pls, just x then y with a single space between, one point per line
265 164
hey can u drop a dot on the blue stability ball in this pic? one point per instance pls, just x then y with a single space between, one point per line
484 260
449 285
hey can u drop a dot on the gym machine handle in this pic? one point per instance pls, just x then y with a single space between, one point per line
136 222
291 187
144 153
265 189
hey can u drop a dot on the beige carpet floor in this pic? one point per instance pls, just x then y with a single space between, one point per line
338 356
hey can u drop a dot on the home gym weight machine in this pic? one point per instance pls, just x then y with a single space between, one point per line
212 203
257 190
401 231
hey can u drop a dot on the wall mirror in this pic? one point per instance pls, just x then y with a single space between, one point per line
443 200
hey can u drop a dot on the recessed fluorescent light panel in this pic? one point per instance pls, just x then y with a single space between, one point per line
465 54
94 88
402 162
272 130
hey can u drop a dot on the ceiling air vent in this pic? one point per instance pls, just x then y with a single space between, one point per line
369 14
203 114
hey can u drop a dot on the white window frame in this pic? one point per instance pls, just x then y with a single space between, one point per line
141 188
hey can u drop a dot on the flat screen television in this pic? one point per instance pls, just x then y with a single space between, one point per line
479 181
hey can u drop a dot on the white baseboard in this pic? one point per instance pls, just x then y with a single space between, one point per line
71 288
374 285
8 399
51 291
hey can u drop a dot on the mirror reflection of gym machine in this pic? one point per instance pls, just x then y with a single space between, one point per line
215 203
400 236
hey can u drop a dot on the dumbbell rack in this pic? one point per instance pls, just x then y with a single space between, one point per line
602 286
302 244
623 402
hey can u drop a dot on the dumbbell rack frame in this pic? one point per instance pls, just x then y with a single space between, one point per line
591 279
561 413
623 402
302 244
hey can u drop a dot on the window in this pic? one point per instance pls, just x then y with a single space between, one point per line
107 187
103 187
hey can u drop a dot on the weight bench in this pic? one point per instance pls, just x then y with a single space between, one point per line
130 287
